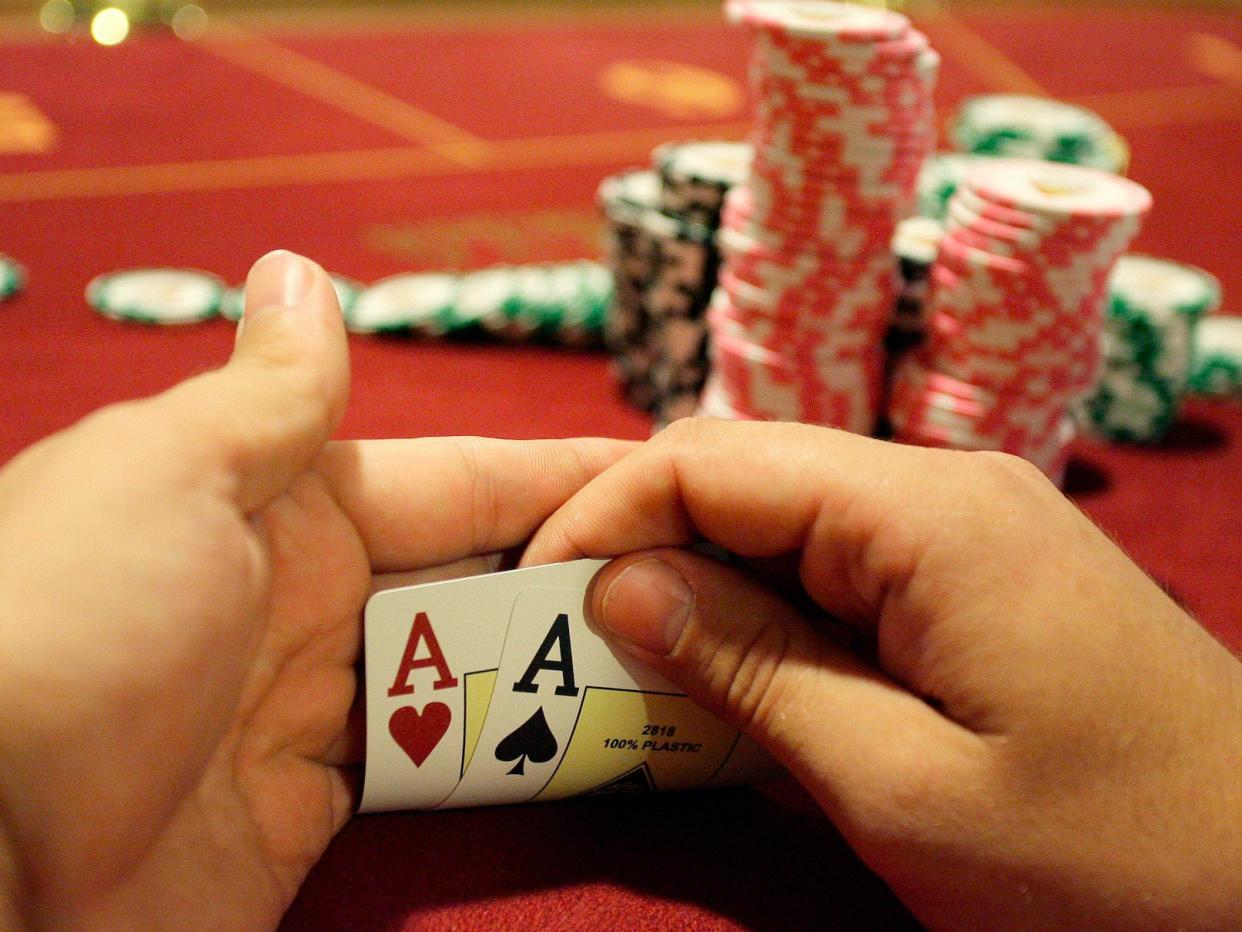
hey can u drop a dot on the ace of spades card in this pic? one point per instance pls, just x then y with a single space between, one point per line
431 654
569 716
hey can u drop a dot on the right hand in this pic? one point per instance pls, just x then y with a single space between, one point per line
1043 739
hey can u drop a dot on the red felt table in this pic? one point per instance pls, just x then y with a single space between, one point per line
411 140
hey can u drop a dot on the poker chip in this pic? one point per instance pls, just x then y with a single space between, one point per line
1019 126
420 302
843 122
915 245
631 255
1216 363
234 301
1148 344
675 303
660 240
695 176
12 277
156 295
1016 309
940 175
557 302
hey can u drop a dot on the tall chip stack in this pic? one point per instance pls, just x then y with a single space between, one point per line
660 242
844 119
630 253
1016 310
695 178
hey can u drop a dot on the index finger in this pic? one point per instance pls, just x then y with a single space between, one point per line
861 513
431 501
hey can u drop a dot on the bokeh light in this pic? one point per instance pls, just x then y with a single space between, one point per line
110 26
189 22
56 16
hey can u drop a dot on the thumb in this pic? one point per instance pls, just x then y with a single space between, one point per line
266 415
841 727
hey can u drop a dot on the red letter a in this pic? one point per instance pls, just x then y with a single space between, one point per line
421 631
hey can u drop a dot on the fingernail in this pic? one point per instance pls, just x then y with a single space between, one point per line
647 605
279 279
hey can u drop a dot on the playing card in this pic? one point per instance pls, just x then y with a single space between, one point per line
569 716
431 653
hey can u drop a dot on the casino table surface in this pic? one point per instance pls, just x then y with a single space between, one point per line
414 137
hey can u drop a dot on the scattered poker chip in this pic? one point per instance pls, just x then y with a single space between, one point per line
1148 344
156 296
419 302
565 302
1019 126
1016 309
559 302
844 121
347 291
1216 366
12 277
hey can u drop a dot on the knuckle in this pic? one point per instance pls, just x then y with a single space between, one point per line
482 492
1010 472
744 677
683 432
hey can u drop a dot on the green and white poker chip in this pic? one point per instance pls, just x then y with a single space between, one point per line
1216 369
941 174
157 296
1145 284
1148 348
423 302
1019 126
234 301
12 277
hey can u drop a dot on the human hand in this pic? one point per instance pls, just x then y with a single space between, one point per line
1043 738
179 621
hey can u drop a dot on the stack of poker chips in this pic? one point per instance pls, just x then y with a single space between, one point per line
661 245
916 243
631 254
1016 309
695 178
1154 309
1018 126
1216 364
844 120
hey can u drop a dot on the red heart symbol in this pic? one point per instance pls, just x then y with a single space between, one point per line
419 733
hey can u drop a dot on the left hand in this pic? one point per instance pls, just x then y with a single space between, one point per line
179 620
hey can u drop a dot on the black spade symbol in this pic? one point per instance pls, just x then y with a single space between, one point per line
532 739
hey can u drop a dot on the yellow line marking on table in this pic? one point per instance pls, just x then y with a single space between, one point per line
603 148
968 49
1214 56
1165 106
24 128
327 85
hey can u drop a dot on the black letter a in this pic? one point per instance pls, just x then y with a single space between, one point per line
558 632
